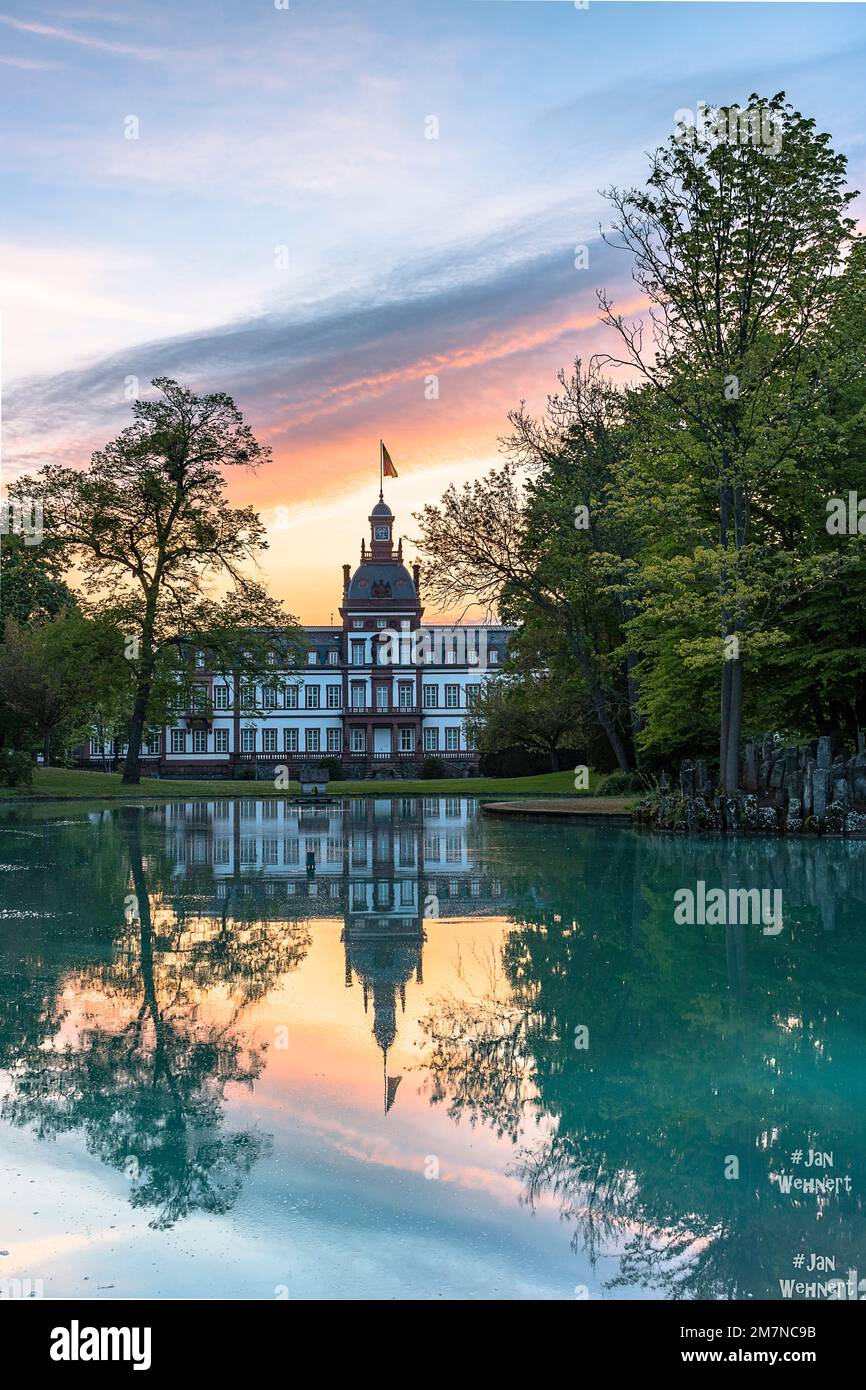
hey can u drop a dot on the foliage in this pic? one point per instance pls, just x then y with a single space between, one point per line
16 769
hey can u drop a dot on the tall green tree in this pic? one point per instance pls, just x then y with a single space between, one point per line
737 245
533 541
158 547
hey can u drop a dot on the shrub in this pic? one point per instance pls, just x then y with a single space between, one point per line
16 769
433 768
620 784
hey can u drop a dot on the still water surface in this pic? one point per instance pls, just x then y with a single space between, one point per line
223 1074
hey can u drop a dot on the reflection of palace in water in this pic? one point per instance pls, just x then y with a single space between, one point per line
385 865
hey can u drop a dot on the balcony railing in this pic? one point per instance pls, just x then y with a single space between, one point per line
351 710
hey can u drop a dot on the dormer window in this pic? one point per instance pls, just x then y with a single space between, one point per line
311 658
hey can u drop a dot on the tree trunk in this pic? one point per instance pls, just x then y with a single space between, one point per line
735 722
144 683
600 705
132 764
46 750
724 719
554 759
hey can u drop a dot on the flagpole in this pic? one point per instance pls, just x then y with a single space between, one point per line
381 470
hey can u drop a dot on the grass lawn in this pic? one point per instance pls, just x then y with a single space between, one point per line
61 783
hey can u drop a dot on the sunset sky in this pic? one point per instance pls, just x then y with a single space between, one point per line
283 229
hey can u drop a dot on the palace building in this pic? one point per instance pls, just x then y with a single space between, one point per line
379 694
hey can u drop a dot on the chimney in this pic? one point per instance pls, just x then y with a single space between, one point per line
347 571
416 575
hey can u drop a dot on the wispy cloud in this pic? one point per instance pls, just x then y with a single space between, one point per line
54 32
27 64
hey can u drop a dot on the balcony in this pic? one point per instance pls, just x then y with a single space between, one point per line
388 711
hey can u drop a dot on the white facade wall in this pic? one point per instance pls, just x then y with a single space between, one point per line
307 715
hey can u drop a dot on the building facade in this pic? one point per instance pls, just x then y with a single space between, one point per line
380 694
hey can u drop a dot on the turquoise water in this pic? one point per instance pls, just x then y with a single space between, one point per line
457 1058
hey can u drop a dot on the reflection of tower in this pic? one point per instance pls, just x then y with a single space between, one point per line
383 933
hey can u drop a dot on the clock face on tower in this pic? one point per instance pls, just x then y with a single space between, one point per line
380 533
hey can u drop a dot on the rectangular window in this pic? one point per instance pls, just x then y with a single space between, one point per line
405 695
248 740
199 741
358 653
452 697
248 696
221 740
290 696
312 740
199 696
269 697
494 657
358 697
269 740
333 740
407 740
333 658
178 741
312 696
359 740
472 694
431 740
153 744
431 696
452 740
199 659
382 694
335 697
220 697
312 658
357 622
290 740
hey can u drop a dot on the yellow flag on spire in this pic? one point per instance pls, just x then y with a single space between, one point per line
388 468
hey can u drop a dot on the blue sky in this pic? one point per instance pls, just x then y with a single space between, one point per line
283 229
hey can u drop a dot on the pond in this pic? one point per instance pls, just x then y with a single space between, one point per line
451 1058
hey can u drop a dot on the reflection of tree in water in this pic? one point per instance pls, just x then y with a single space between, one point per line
148 1089
703 1042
